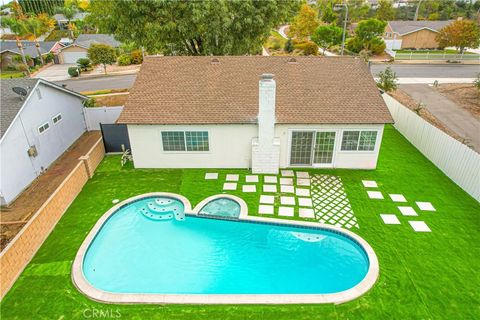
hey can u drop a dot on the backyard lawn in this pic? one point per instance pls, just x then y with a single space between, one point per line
11 74
422 275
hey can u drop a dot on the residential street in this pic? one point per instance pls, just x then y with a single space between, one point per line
100 83
447 111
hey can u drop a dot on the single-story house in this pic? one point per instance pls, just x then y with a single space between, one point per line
256 112
79 48
62 21
413 34
38 122
9 49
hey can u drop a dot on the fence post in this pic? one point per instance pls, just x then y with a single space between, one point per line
410 55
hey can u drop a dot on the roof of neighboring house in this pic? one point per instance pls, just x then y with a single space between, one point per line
28 47
78 16
11 103
405 27
86 40
198 90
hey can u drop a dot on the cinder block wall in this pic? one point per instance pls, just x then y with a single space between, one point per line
15 257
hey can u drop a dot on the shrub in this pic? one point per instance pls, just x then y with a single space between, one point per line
136 56
48 57
124 60
387 80
12 67
84 64
376 46
289 46
89 103
73 71
20 67
308 48
476 83
354 45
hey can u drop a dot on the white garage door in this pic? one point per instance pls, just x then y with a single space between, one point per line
393 44
72 57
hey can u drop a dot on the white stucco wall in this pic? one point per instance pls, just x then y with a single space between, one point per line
230 147
18 169
341 159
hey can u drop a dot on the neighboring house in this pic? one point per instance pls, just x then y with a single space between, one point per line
9 49
263 113
79 49
413 34
62 22
34 131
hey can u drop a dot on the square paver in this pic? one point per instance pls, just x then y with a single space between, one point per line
303 175
249 188
425 206
265 209
267 199
286 211
287 189
211 176
287 173
369 184
306 213
270 179
286 181
397 198
375 195
419 226
303 182
305 202
269 188
287 200
390 219
407 211
251 178
230 186
302 192
232 177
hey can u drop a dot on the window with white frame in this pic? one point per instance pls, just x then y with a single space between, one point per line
57 118
185 141
359 140
44 127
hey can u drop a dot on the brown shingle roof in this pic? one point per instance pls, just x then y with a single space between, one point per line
193 90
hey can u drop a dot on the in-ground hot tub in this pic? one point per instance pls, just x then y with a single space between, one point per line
132 257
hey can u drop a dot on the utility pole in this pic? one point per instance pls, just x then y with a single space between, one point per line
337 6
415 18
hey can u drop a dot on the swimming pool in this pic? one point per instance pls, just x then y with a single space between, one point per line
132 254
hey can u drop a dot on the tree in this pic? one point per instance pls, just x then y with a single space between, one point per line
33 27
40 6
385 10
208 27
16 26
328 16
367 36
69 10
304 23
387 80
102 54
460 34
327 36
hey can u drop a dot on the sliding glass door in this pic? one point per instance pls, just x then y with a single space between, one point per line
312 148
324 146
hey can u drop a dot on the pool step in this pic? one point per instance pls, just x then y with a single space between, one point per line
162 209
162 202
179 215
156 216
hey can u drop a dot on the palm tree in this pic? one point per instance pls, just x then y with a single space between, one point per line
17 27
69 11
34 27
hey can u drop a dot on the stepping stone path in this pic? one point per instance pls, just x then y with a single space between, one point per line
265 209
211 176
269 188
306 213
267 199
270 179
390 219
287 201
249 188
303 182
286 181
407 211
375 194
232 177
287 173
286 211
301 192
419 226
251 178
425 206
397 198
330 202
229 186
305 202
287 189
304 175
369 184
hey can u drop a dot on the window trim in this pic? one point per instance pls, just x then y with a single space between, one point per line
185 141
375 148
43 125
53 119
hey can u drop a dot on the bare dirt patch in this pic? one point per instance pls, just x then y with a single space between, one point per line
405 99
111 100
465 95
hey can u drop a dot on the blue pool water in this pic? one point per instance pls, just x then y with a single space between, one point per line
133 253
222 207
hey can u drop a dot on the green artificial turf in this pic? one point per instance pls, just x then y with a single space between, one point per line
422 275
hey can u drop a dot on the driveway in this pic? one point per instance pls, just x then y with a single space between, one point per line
56 72
448 112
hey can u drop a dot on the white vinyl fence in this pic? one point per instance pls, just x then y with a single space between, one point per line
106 115
456 160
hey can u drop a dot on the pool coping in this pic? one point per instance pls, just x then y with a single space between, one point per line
93 293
